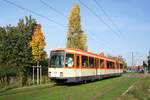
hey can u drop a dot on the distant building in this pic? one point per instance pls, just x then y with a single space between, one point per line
135 68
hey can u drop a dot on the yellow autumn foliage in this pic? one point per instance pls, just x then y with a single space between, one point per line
38 43
76 37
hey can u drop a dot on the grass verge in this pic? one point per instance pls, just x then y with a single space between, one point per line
140 91
108 89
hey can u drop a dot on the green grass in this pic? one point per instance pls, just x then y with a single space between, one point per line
108 89
140 91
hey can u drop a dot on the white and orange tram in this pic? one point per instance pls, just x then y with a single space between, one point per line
73 65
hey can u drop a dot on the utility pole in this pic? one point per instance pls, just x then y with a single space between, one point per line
40 74
132 59
33 74
37 74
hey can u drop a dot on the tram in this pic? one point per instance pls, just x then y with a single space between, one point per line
73 65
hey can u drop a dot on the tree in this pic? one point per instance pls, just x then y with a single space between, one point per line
7 42
80 41
37 44
23 51
146 63
15 53
76 38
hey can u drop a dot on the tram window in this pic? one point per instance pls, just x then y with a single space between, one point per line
121 66
113 65
57 59
84 61
110 63
117 66
108 66
91 62
77 61
96 63
101 63
69 60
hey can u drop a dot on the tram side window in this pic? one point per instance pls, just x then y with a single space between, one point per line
108 65
96 63
117 66
69 60
84 61
101 63
121 66
113 65
77 61
91 62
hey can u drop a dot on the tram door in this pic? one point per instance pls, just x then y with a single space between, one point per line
78 69
96 66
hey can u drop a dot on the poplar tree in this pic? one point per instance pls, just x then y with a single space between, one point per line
76 38
37 44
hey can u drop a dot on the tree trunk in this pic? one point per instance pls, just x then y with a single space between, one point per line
24 77
7 80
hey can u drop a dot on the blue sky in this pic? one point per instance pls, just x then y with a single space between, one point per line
132 17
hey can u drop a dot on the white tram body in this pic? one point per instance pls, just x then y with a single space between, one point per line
72 65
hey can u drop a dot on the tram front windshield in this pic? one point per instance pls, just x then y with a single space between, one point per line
57 59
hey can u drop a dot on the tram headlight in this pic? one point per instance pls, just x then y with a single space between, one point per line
49 74
61 74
